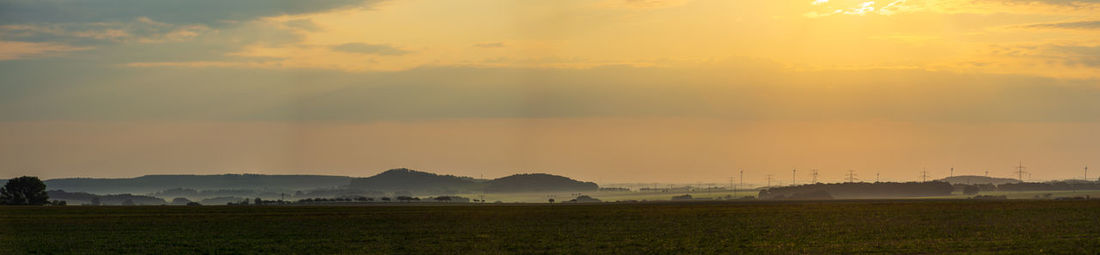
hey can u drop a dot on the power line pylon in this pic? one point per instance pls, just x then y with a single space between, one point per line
1020 171
815 176
794 177
742 177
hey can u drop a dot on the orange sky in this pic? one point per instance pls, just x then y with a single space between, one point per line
602 90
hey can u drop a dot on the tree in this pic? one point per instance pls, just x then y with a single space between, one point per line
95 200
128 202
258 201
551 200
26 190
970 190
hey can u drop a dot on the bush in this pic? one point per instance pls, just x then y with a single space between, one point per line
26 190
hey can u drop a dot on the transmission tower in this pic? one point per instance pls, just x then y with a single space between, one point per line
923 175
1020 171
794 177
952 172
742 177
1086 172
769 180
876 176
851 173
815 176
731 183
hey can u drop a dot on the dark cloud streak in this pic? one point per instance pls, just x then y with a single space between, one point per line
1083 25
375 49
209 12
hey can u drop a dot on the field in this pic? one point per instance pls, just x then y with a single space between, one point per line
658 196
900 226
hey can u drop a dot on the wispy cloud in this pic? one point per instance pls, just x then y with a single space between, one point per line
1082 25
375 49
490 45
177 12
140 30
643 4
861 8
10 50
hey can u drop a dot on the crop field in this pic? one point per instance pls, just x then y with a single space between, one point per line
900 226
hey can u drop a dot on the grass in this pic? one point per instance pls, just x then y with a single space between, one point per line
912 226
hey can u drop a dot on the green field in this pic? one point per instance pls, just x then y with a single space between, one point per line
913 226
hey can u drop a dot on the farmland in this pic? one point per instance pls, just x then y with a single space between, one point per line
869 226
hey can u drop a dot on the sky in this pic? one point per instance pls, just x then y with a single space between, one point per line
612 91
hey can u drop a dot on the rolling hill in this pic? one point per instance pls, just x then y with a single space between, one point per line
973 179
154 183
417 182
537 183
394 181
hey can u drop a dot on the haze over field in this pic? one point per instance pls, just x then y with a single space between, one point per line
608 91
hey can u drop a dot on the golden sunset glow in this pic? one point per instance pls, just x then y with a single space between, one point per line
604 90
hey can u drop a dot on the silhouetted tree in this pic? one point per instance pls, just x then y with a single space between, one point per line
193 204
26 190
551 200
258 201
971 190
95 201
128 202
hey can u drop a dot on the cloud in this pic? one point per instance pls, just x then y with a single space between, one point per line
1081 25
821 9
140 30
303 24
10 50
490 45
374 49
1050 2
464 93
207 12
643 4
860 8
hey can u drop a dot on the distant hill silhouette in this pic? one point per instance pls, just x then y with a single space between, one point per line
418 182
973 179
116 199
395 182
412 181
859 190
155 183
537 183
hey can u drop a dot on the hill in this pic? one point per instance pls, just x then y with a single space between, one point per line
537 183
155 183
416 182
973 179
395 181
115 199
858 190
